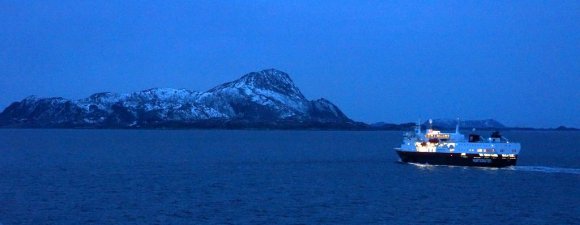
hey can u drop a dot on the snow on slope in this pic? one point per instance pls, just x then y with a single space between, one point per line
268 95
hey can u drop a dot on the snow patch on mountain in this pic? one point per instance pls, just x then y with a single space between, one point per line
268 95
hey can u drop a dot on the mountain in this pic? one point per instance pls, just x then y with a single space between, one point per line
564 128
390 126
443 124
264 99
466 124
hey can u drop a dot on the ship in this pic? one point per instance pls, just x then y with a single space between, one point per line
437 148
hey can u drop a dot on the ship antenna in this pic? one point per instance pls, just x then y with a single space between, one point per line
431 124
457 126
418 127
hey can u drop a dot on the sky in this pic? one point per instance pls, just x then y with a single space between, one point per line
393 61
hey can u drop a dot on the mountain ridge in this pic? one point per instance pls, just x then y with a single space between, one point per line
265 99
466 124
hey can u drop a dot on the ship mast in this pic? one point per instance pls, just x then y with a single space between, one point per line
418 127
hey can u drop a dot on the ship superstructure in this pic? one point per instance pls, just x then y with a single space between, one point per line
437 148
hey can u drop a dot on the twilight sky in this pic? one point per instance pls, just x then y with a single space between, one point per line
394 61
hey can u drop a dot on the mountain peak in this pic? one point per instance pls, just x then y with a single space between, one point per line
267 77
277 74
269 80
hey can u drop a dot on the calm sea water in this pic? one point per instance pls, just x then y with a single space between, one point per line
274 177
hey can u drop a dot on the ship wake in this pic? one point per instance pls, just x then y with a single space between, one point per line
540 169
546 169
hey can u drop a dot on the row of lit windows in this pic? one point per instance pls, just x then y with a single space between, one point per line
439 136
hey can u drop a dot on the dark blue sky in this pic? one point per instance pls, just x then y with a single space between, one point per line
395 61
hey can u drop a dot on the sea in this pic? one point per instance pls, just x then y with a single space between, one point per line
59 176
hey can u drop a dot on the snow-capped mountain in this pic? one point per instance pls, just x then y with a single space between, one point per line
267 98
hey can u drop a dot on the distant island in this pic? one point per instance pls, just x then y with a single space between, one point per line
267 99
450 124
264 99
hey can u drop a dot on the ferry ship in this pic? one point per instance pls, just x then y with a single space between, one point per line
437 148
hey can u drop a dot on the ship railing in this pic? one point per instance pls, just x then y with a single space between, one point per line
501 139
505 139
